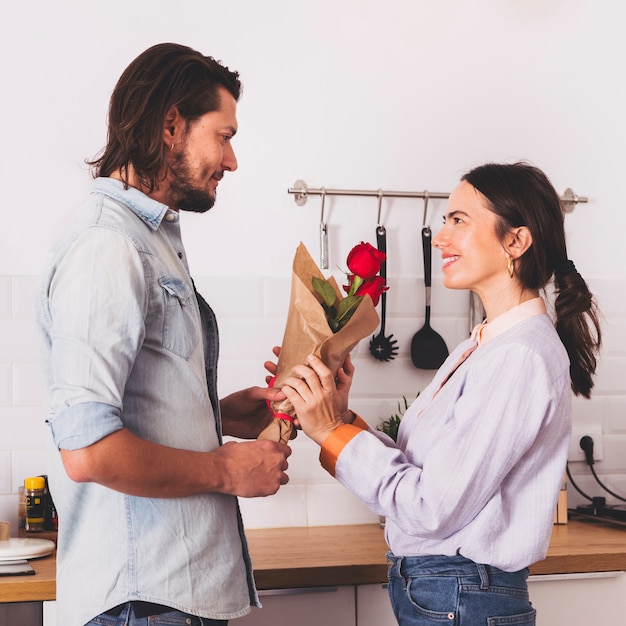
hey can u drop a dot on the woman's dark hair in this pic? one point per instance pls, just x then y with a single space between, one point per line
164 76
521 195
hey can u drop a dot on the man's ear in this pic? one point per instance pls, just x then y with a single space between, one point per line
173 128
517 241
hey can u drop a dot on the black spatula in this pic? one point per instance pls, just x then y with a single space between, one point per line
428 349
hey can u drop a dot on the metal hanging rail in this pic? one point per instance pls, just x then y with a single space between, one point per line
301 192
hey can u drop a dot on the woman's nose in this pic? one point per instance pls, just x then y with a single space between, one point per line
438 240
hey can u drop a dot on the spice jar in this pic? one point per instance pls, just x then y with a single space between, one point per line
35 488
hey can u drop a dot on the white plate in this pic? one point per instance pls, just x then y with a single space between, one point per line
18 549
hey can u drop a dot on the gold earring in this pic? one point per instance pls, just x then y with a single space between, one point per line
510 266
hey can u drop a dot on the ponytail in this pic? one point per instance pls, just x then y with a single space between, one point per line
577 325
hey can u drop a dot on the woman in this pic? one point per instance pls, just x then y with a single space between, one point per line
470 488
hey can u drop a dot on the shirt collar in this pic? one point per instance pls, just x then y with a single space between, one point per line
148 210
489 330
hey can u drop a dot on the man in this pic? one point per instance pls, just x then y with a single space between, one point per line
146 493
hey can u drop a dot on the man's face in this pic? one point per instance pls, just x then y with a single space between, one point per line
198 164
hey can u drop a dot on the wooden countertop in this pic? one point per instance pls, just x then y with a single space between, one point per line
354 555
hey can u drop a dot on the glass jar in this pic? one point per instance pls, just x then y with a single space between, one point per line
35 489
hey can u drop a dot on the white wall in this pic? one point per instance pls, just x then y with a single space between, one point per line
341 93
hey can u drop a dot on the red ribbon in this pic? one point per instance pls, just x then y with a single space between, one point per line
277 416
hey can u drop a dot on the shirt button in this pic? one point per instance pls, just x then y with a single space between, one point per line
180 255
170 217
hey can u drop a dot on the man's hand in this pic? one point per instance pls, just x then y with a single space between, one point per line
245 413
253 468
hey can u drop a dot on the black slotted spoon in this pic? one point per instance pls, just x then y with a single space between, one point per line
383 347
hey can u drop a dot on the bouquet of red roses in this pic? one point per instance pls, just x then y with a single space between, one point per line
321 321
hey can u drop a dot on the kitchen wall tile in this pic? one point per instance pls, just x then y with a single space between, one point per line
609 293
27 389
615 422
610 378
333 504
6 385
5 471
23 428
285 508
614 336
586 483
304 464
24 290
277 294
451 329
8 512
379 379
588 411
27 463
233 296
18 339
614 453
249 339
236 374
6 297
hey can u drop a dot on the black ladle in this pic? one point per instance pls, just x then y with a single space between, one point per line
428 349
383 348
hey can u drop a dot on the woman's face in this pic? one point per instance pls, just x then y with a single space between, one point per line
473 256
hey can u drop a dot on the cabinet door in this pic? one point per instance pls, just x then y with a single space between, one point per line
50 613
579 599
312 606
373 607
20 613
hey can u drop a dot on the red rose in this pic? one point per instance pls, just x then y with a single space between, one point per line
365 260
374 287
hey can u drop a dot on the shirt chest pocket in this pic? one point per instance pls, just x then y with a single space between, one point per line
180 318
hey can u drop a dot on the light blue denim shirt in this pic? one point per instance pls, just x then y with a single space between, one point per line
126 344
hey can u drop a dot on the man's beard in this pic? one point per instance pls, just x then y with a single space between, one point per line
183 195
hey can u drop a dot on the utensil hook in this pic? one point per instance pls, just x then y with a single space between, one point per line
379 227
323 235
426 197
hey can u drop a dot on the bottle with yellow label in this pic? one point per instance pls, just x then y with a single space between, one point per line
35 488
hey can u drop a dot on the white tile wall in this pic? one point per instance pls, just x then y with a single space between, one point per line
251 313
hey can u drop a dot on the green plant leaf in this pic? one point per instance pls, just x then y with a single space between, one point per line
324 289
346 309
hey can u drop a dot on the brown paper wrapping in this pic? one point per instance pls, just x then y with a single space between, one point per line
307 332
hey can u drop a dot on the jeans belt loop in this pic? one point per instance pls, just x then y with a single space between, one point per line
484 576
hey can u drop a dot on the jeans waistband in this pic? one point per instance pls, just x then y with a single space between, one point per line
140 609
439 565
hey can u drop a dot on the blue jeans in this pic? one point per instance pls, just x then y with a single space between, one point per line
456 591
173 618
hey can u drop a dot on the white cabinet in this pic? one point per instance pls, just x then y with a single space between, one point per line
50 613
312 606
373 607
579 599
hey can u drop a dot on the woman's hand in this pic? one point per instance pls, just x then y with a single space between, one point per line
320 405
271 366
